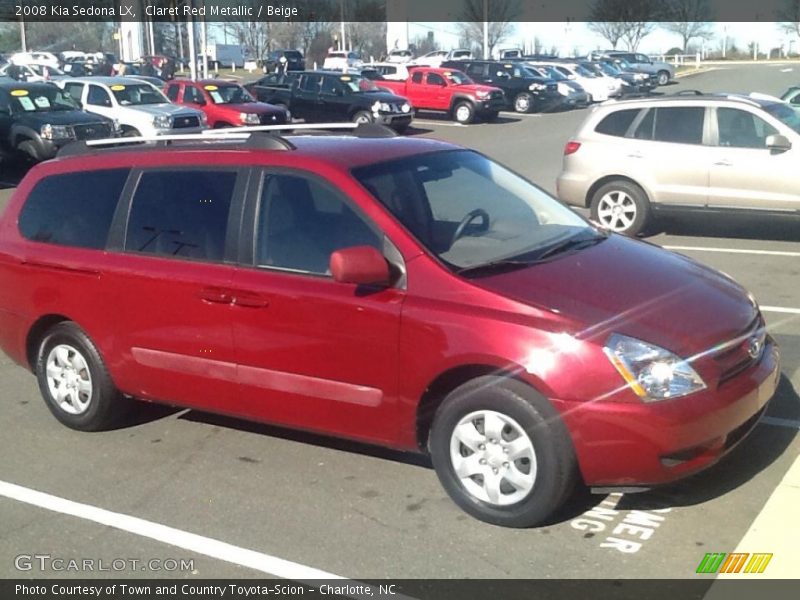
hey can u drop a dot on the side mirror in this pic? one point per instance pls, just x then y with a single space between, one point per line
778 143
362 265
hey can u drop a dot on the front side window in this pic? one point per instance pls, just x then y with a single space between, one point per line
302 222
741 129
471 212
435 79
73 209
181 213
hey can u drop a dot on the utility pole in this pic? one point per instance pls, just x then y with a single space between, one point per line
485 29
22 39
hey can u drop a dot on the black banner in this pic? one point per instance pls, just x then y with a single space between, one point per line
401 589
392 10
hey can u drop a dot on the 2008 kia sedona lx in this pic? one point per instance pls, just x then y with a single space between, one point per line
403 292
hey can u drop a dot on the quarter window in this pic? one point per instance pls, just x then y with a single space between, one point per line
181 213
617 123
74 209
302 222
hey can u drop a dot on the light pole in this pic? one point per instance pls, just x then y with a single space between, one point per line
485 29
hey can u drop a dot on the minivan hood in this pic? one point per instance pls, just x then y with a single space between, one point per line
636 289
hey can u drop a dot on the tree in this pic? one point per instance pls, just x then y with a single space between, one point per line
627 20
689 19
789 17
499 14
609 30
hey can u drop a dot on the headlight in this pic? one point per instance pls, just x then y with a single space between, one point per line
162 122
406 108
249 118
537 87
117 127
376 106
203 120
482 94
640 76
651 372
563 89
55 132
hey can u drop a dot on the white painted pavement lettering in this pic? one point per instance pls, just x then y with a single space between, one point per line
626 530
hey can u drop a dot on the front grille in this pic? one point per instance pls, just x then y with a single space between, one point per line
735 358
272 119
185 122
498 95
92 131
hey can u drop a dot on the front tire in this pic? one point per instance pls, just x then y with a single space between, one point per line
523 103
622 206
464 113
27 150
362 116
502 452
663 78
74 381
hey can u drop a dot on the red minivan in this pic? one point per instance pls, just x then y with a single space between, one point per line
225 103
403 292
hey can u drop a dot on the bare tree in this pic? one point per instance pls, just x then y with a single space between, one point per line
789 17
59 36
609 30
368 38
635 19
689 19
500 15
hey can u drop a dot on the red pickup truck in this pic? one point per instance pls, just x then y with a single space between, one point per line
226 104
448 90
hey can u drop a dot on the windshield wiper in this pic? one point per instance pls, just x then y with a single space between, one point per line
495 266
574 243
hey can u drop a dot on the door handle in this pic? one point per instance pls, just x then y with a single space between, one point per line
723 163
215 295
250 301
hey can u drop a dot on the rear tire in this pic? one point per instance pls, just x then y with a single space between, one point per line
623 207
502 452
75 383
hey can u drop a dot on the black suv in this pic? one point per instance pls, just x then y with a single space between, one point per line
524 91
294 61
329 96
36 119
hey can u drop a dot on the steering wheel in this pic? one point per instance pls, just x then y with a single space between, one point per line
469 218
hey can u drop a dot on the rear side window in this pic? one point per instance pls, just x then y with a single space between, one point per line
416 77
181 213
617 123
678 124
172 93
73 209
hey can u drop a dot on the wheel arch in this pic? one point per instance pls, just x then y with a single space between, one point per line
447 381
37 332
608 179
458 98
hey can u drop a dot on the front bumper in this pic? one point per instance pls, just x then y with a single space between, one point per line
394 119
643 444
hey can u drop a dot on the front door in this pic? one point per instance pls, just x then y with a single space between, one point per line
747 174
311 352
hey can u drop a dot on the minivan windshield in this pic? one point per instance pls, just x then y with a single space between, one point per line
472 213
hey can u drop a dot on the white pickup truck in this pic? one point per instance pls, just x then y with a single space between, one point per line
139 107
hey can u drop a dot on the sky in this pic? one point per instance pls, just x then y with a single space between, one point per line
567 36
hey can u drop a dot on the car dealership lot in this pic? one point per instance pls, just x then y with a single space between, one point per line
362 512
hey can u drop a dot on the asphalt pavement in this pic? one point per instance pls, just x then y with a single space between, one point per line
283 499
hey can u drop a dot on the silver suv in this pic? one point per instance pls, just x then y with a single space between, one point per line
715 151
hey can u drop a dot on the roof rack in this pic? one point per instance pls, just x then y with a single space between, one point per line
688 93
262 137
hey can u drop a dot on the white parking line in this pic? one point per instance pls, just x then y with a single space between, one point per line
732 250
420 121
258 561
780 309
790 423
511 113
